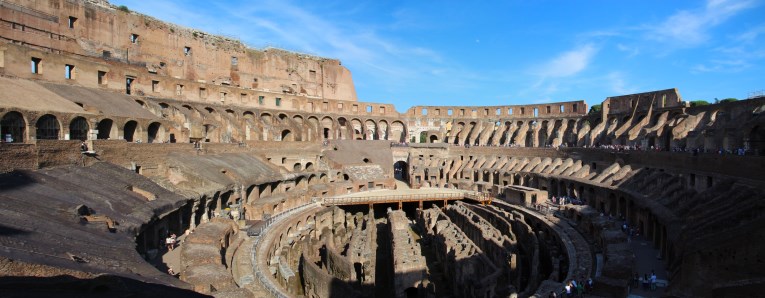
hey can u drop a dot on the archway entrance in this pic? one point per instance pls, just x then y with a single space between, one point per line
757 140
104 128
130 130
47 128
12 128
78 129
401 171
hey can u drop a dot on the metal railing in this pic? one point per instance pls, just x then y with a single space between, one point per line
481 197
268 285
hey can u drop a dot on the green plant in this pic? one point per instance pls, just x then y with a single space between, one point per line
595 109
123 8
698 103
730 99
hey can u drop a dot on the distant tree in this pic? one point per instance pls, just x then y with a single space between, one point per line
698 103
595 109
123 8
730 99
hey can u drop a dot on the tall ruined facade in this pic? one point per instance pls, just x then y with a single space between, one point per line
187 131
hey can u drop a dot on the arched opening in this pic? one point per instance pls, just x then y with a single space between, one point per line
129 130
612 204
434 139
78 129
266 118
155 133
286 135
423 137
297 167
210 133
309 166
401 171
622 207
104 128
398 131
757 140
12 128
47 128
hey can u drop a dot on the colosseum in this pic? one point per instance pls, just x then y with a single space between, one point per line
142 158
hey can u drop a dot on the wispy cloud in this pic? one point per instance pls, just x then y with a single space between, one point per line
568 63
690 28
631 51
617 83
728 66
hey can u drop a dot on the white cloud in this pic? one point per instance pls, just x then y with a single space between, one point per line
568 63
689 28
618 85
631 51
727 66
750 35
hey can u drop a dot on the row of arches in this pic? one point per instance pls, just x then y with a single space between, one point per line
529 133
14 129
231 125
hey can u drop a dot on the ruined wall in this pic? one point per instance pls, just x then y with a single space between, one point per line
160 51
464 263
408 262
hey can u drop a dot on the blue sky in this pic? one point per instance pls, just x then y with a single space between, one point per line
504 52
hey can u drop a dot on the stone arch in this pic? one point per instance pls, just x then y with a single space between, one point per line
106 129
286 136
232 114
358 129
313 128
343 128
327 124
612 204
13 127
298 119
155 133
398 131
266 118
401 171
48 128
210 133
370 130
382 129
283 118
130 130
622 207
542 136
78 129
757 139
433 139
309 166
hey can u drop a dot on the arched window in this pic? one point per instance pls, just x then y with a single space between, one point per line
104 128
47 128
130 130
12 128
155 133
78 129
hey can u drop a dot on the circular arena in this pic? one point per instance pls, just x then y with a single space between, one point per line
191 165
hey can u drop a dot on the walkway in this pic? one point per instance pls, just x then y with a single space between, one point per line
404 195
645 259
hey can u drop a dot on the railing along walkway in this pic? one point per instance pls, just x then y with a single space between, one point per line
379 199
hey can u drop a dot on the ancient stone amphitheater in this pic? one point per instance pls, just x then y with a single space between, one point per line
119 130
